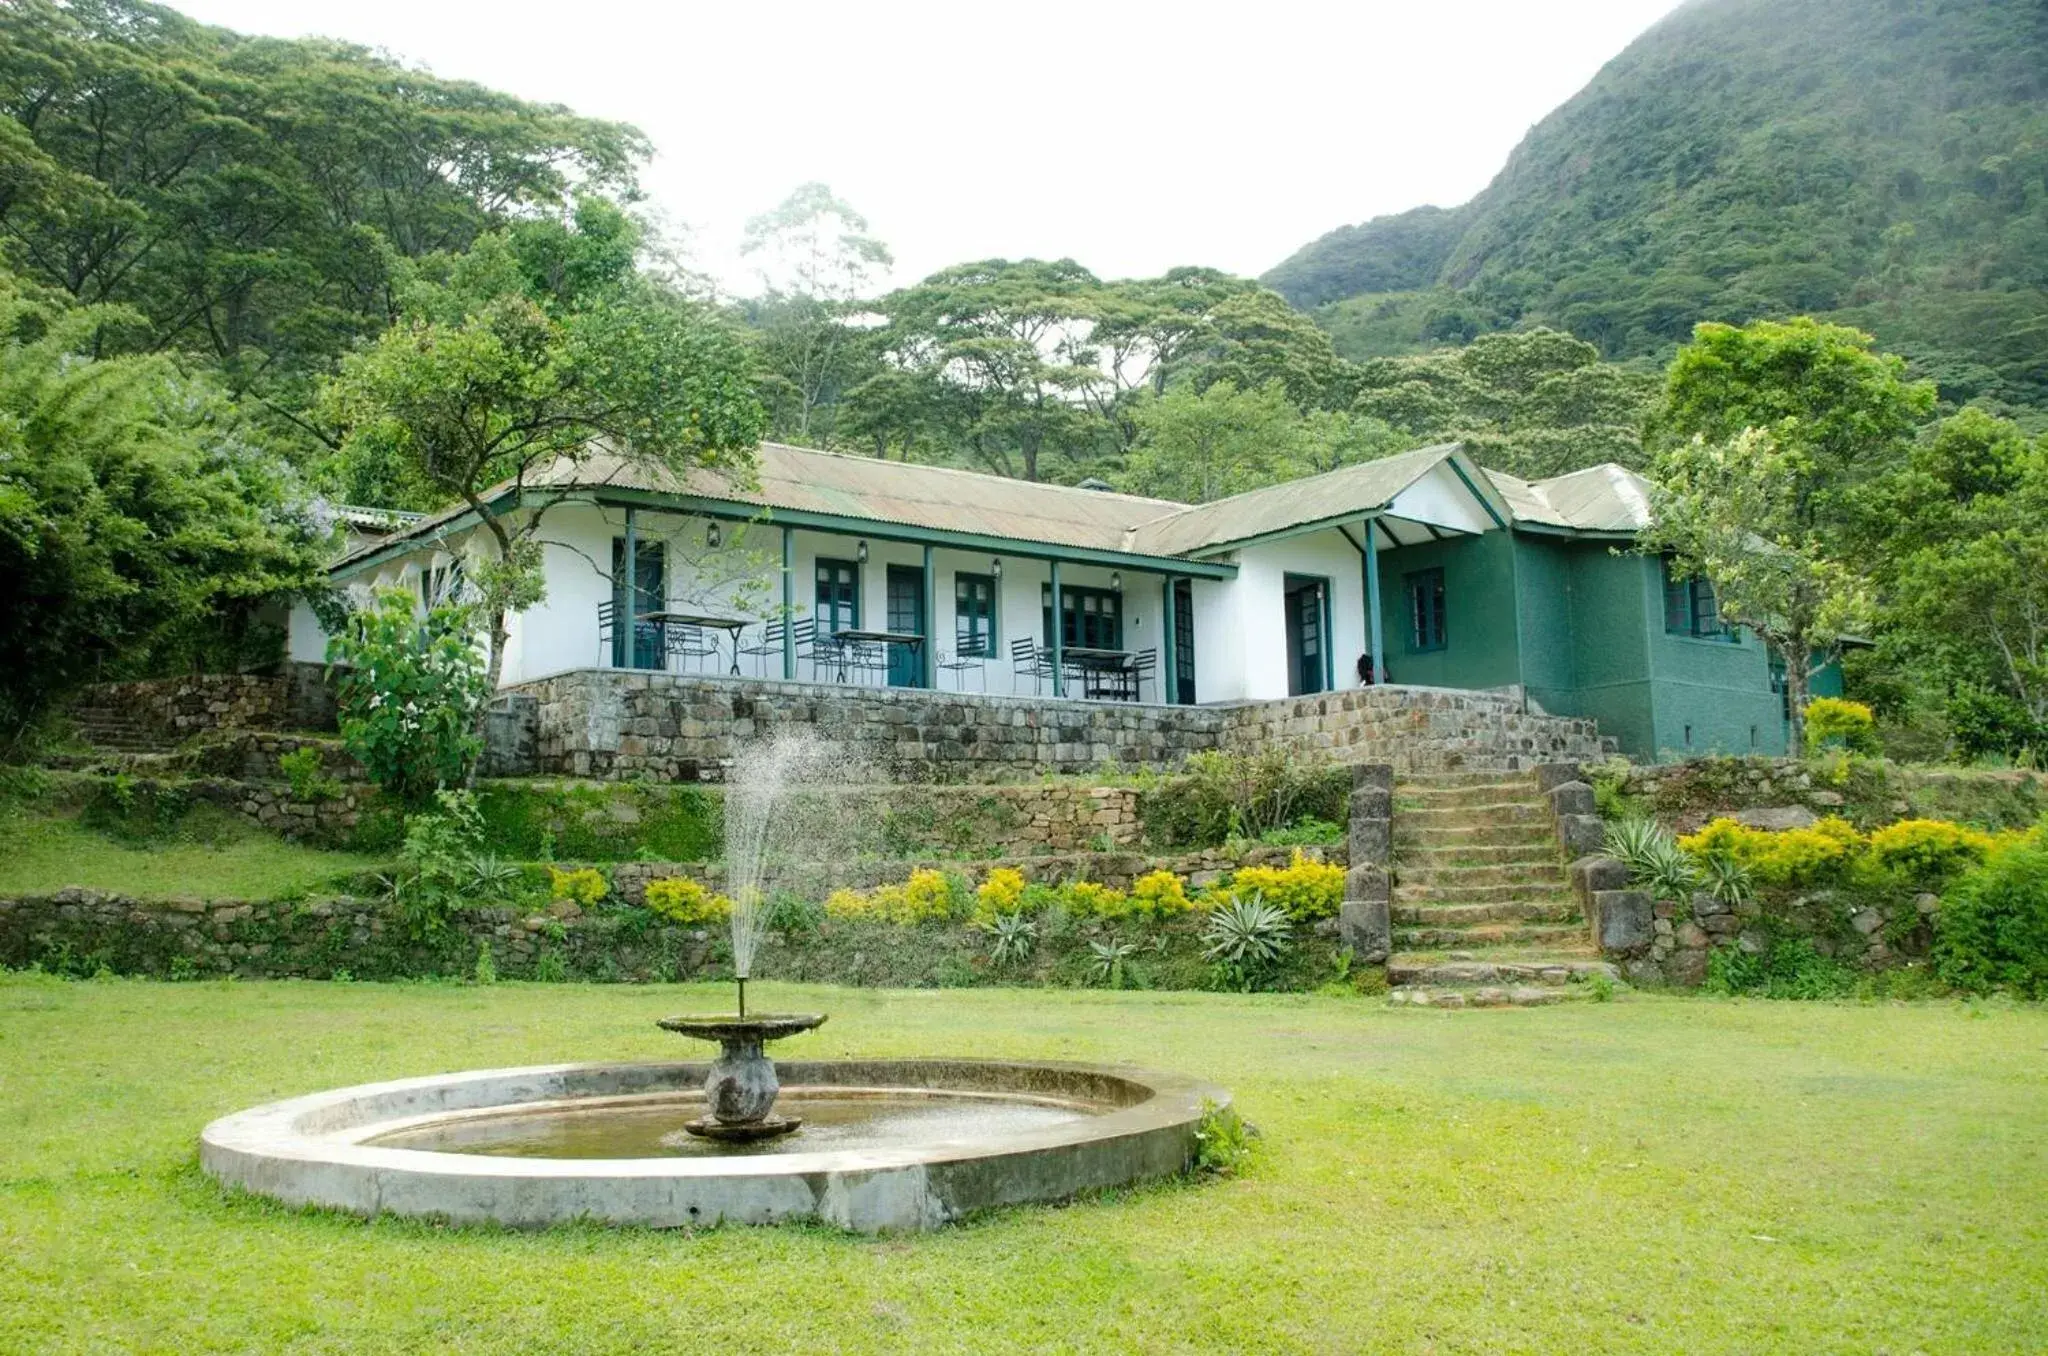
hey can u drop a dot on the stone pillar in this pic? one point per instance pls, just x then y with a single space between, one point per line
1366 921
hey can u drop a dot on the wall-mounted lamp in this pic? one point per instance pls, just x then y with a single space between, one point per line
860 552
1116 580
995 568
713 535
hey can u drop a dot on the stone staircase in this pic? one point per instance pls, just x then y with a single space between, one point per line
105 727
1483 913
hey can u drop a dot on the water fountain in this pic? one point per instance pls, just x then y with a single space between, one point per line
879 1144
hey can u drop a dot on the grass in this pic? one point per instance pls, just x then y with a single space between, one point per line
216 855
1655 1175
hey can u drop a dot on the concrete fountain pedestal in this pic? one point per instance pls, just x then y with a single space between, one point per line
740 1090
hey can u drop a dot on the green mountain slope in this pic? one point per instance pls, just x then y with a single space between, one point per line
1881 162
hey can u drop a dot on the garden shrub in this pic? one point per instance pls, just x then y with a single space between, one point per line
682 900
1992 931
1832 722
1304 890
585 886
1789 857
303 772
1928 852
1218 796
410 694
1787 967
1159 895
1001 893
929 896
1091 899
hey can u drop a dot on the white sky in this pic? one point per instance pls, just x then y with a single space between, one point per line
1133 137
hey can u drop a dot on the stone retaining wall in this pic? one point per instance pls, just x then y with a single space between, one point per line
611 724
167 710
78 931
1416 730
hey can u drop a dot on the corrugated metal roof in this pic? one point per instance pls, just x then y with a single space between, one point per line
1604 498
1275 508
1601 498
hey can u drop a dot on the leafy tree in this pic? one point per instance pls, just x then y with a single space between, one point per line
411 694
1194 446
817 260
1737 513
136 529
536 350
999 355
258 200
1533 403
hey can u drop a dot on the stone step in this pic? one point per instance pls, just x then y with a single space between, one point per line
1463 915
1560 936
1555 968
1469 856
1524 836
1451 816
1444 875
1462 797
1405 893
1453 780
1485 996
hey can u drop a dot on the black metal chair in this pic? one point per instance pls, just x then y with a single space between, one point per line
605 634
819 651
1144 666
768 644
959 663
1029 660
685 643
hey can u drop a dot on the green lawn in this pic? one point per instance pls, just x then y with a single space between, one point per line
1654 1175
227 859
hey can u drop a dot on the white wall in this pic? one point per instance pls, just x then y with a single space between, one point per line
1241 635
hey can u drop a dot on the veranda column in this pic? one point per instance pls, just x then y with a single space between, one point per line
1169 641
1372 602
788 604
928 657
1058 633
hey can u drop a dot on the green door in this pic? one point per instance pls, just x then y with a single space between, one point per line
1307 635
906 617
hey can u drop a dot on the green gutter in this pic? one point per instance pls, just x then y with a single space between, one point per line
841 524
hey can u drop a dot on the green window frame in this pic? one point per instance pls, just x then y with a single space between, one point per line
1691 608
837 600
974 615
1091 619
1428 612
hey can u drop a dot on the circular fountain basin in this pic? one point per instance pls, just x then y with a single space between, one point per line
886 1144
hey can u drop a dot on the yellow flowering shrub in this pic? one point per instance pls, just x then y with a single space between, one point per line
1305 888
1160 894
928 896
1091 899
1783 857
1000 892
1834 722
682 900
584 886
1929 851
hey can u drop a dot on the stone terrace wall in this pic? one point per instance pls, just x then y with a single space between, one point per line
1416 729
165 710
611 724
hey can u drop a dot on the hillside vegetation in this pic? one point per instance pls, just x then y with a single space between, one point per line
1883 163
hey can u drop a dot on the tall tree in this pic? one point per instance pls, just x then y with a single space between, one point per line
1737 514
817 259
536 347
1194 446
137 530
1000 351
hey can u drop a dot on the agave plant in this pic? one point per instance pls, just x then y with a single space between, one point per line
1011 938
1245 937
1106 965
1634 842
1672 872
1728 880
492 877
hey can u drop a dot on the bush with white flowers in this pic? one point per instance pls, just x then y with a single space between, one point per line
411 693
